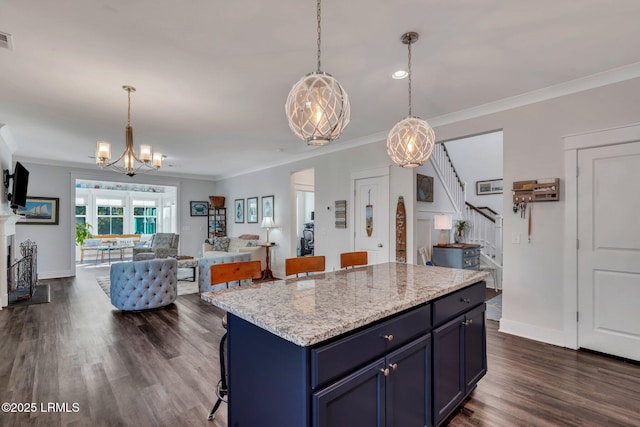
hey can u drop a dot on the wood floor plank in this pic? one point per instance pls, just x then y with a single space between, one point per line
160 367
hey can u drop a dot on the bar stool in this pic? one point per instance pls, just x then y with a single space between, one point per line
305 264
224 273
352 259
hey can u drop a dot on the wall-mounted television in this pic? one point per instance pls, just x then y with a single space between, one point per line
18 195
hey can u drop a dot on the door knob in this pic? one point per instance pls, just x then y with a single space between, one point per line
379 245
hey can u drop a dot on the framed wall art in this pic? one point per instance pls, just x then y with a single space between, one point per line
252 210
491 186
199 208
424 188
40 210
267 206
238 211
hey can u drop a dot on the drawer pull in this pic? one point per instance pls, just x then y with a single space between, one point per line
467 300
385 372
393 366
467 322
388 337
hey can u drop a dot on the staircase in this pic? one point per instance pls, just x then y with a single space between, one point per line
486 224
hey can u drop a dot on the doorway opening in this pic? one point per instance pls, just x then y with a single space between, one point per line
303 230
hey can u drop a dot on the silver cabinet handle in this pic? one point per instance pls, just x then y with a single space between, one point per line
467 300
388 337
385 372
393 366
467 322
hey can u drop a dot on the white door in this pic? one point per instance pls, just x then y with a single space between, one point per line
609 249
373 192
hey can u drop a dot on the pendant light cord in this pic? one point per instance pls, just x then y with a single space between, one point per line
409 46
319 33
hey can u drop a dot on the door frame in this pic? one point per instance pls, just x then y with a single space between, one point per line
364 174
571 145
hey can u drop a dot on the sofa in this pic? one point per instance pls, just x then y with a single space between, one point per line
143 285
246 243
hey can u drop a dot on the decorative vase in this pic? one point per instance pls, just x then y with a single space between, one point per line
458 237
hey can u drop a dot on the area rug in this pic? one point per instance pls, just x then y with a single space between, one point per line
41 295
494 308
184 287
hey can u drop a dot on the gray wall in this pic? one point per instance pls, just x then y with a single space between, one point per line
56 243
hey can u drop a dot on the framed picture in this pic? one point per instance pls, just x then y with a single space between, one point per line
424 188
40 210
199 208
267 206
238 209
252 210
490 186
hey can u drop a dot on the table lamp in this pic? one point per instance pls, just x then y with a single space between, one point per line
267 222
444 223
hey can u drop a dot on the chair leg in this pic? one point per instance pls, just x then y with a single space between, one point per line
222 391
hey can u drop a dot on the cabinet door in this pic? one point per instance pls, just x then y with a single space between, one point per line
355 401
475 347
408 394
448 377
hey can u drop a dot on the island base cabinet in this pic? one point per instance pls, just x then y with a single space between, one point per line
459 360
391 392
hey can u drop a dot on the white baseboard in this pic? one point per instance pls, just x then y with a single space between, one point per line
536 333
55 274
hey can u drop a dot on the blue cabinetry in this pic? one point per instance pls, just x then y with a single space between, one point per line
457 256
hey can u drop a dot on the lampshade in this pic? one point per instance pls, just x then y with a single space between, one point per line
267 222
443 222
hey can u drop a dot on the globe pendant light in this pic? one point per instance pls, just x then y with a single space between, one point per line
318 107
411 141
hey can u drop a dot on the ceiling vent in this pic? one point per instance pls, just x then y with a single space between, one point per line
5 41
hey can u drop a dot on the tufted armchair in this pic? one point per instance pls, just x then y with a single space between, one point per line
163 245
142 285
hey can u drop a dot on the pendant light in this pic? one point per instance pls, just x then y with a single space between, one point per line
318 107
411 141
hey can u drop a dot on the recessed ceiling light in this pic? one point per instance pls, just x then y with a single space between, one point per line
400 74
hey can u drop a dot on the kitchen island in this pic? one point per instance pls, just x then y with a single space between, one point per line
387 344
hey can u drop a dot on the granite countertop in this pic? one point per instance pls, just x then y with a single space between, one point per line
308 310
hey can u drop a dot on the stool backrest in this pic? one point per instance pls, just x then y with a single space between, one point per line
304 264
235 271
351 259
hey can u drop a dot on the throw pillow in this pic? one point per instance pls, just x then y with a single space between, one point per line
221 244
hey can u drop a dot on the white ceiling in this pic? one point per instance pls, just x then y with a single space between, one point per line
212 77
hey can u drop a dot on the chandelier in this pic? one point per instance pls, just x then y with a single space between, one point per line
132 164
318 107
411 141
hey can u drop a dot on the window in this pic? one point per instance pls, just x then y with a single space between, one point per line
144 216
110 216
81 210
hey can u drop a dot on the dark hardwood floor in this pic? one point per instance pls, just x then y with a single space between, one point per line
159 368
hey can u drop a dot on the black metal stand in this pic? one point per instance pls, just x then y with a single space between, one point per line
221 387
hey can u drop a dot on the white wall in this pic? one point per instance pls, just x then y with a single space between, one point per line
332 182
6 162
56 243
533 301
479 158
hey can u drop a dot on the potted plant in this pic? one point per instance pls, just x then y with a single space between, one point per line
461 227
83 232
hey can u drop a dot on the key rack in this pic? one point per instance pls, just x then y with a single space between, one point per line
541 190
